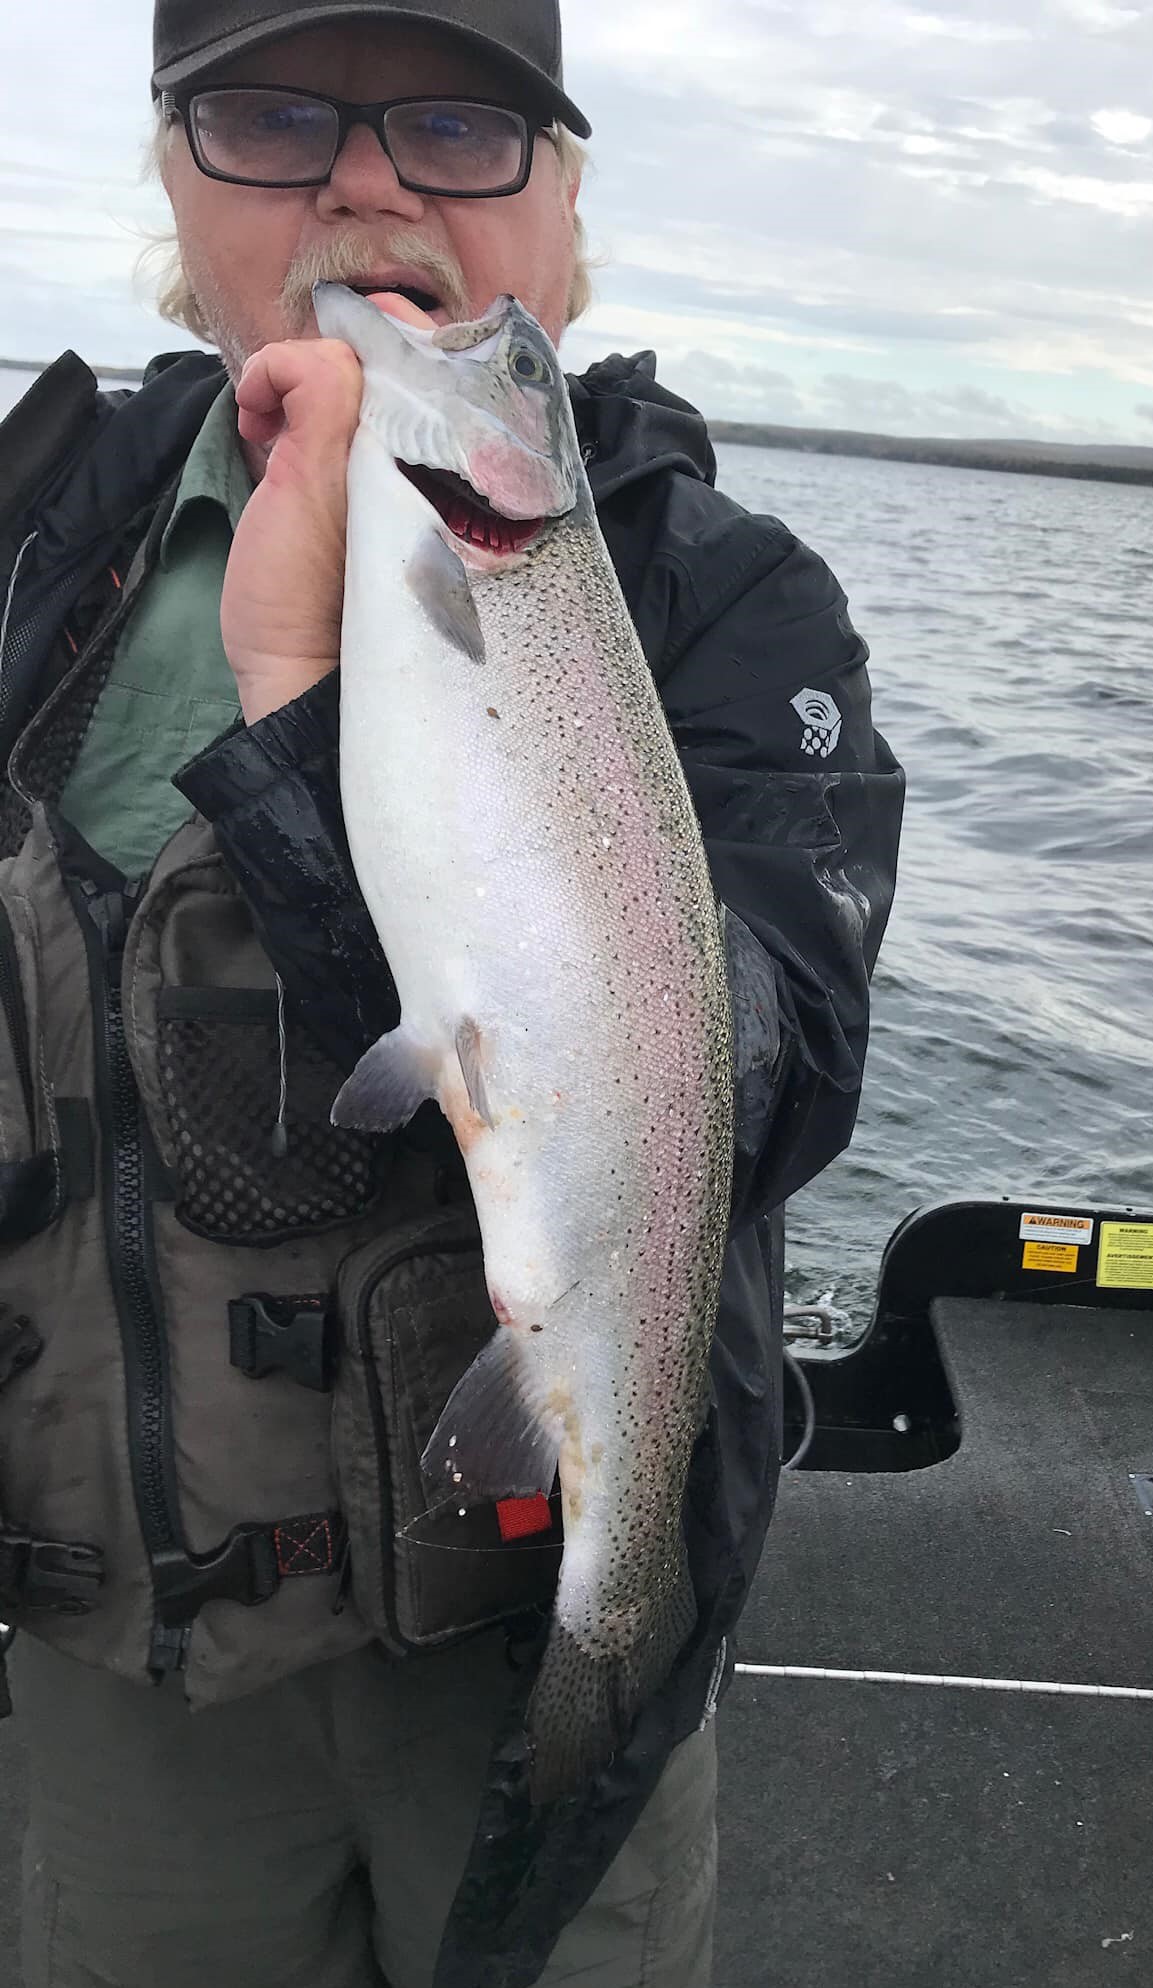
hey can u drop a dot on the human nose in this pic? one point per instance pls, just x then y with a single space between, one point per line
363 183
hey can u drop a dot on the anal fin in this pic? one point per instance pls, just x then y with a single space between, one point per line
491 1441
389 1084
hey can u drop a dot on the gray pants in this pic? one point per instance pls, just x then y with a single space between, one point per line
312 1836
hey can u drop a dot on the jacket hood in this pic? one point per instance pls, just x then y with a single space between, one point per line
631 427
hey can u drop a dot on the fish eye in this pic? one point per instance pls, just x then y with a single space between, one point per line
527 366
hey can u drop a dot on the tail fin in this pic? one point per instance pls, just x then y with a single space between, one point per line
584 1706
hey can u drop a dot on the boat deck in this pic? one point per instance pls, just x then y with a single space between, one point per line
921 1836
904 1835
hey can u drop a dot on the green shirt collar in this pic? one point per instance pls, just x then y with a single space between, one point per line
215 472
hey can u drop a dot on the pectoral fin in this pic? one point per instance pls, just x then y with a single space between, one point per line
468 1049
438 579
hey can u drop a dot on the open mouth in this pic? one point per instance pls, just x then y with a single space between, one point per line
468 515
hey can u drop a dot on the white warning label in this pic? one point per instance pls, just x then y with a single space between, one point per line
1074 1229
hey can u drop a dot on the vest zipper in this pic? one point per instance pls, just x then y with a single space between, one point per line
16 1015
128 1233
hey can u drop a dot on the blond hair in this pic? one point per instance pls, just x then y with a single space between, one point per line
176 301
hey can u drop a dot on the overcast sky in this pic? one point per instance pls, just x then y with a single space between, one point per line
847 212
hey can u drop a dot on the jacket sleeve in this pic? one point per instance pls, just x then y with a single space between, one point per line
800 804
272 793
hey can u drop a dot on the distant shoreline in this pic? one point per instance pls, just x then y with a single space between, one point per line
38 366
1089 463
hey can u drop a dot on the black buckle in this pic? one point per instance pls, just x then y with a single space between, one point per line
293 1336
53 1576
250 1565
243 1569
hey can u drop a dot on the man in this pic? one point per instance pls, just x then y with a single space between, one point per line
226 1324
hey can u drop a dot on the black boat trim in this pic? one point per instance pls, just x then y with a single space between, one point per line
974 1249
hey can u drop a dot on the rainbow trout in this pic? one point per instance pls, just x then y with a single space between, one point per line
527 848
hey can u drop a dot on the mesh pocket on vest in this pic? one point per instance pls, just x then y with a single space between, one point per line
219 1068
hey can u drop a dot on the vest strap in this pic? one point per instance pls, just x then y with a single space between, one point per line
249 1567
53 1576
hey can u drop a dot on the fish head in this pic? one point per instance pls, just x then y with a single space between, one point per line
476 414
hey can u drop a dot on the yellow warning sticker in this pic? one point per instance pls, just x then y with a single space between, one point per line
1126 1259
1051 1256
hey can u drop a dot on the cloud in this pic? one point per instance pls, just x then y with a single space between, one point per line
888 407
1131 199
1103 15
1122 127
944 196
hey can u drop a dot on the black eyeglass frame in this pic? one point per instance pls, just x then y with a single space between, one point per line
176 107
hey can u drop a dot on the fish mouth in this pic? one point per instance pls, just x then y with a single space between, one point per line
468 515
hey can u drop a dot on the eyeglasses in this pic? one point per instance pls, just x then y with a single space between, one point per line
460 147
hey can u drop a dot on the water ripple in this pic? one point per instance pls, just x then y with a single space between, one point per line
1012 1047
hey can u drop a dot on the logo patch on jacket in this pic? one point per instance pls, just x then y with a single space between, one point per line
822 722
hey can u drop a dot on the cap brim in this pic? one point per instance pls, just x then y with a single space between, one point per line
540 94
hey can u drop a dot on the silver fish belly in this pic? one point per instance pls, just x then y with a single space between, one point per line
525 842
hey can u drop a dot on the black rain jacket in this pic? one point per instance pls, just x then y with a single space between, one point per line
764 681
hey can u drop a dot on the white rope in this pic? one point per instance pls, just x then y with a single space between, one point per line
1017 1684
280 1129
11 591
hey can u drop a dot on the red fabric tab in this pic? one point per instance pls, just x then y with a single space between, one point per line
304 1546
518 1518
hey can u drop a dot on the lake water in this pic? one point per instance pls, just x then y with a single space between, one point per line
1009 618
1010 623
13 385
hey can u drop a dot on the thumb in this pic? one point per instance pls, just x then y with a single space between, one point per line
395 306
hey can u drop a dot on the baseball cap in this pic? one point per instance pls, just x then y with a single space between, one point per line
191 36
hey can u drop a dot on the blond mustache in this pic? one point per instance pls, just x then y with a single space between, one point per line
348 258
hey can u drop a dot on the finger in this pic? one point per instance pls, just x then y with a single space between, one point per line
260 429
312 386
326 366
395 306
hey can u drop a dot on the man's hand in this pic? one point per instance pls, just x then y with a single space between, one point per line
299 403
